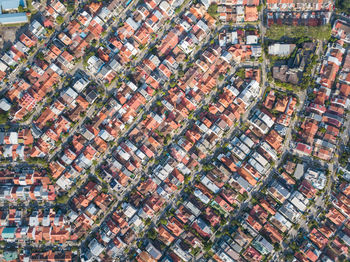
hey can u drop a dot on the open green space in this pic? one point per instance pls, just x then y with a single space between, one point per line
276 32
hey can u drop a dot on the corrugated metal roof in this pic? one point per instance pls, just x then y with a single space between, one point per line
15 18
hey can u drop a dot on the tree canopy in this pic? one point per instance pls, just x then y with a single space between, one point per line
343 6
4 116
213 10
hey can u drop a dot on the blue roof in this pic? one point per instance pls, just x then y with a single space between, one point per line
8 232
12 4
15 18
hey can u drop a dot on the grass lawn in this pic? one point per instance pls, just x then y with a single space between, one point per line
276 32
13 25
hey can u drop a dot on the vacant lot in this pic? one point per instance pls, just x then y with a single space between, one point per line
8 35
276 32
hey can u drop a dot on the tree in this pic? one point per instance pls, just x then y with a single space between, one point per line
181 73
343 6
152 234
94 43
163 221
213 10
277 246
241 73
148 222
207 246
59 20
167 139
207 167
62 199
4 117
323 130
70 7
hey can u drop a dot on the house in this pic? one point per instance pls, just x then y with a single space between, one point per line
95 247
318 238
165 236
202 228
317 178
262 245
251 14
251 254
341 30
279 192
95 64
303 149
154 252
335 216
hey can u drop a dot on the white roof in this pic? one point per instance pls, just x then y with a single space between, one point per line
104 13
209 184
252 40
3 66
13 138
71 93
80 84
257 166
129 210
4 104
64 182
281 49
201 196
95 247
268 149
234 37
165 7
260 159
134 25
282 220
246 140
132 86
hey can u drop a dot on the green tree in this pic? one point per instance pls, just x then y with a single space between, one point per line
62 199
4 117
241 73
59 20
163 221
213 10
207 246
152 234
70 7
40 56
343 6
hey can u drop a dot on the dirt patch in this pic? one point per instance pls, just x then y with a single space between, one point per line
7 36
